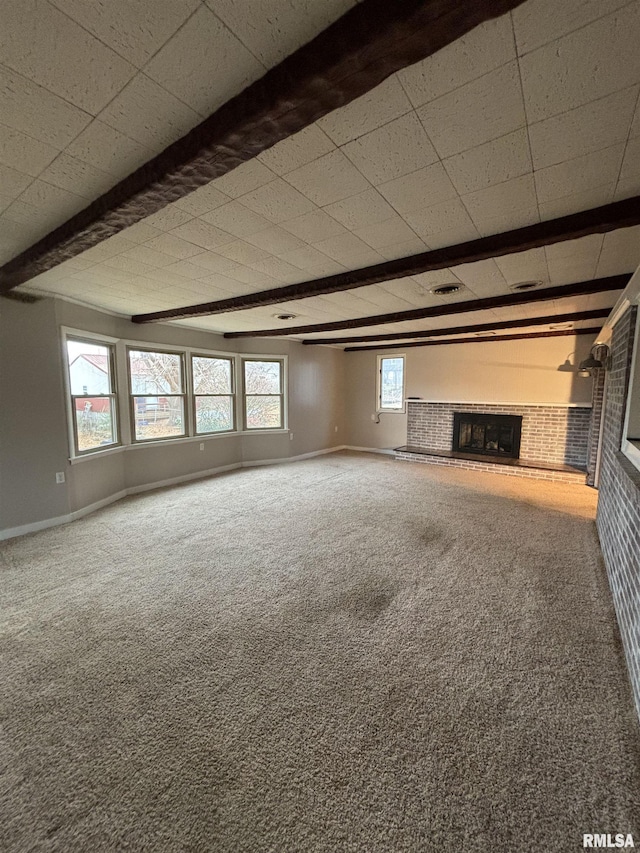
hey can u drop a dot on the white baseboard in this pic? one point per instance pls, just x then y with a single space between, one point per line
34 527
386 451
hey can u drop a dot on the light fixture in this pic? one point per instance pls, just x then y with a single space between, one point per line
591 363
285 316
555 326
445 289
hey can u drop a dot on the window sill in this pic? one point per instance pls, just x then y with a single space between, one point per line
190 439
631 449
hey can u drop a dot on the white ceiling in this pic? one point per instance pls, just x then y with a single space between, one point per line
528 117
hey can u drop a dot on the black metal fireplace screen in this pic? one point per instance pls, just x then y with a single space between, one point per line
490 435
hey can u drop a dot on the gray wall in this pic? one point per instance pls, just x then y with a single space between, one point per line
33 413
524 371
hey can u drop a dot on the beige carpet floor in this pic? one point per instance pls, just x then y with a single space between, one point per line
344 654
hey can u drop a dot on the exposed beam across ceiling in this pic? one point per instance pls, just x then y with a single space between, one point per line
598 313
583 288
561 334
352 56
599 220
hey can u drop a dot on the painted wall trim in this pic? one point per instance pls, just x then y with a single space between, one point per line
34 527
385 451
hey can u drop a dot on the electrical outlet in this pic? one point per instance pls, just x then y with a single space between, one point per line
60 477
373 417
290 436
202 445
335 429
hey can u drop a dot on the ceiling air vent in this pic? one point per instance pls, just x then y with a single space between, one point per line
526 285
285 316
445 289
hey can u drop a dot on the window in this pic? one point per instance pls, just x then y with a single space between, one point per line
156 383
631 432
213 394
391 383
263 393
92 392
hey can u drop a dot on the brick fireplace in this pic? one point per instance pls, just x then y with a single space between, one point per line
553 438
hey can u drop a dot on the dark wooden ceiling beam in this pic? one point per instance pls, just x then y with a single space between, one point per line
525 336
598 220
577 316
357 52
583 288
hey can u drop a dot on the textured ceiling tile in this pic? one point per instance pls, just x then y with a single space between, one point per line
348 249
594 197
316 225
482 110
148 256
23 153
328 179
620 252
202 234
246 178
538 22
297 150
279 270
29 108
592 127
236 219
13 182
203 50
482 50
631 162
134 30
172 245
202 200
463 232
389 233
36 40
146 112
516 194
506 219
492 163
403 250
77 177
580 174
213 263
378 107
397 148
277 202
444 216
358 211
273 30
243 253
524 266
312 260
592 62
275 240
107 149
54 202
168 218
420 189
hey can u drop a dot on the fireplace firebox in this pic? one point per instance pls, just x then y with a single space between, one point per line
489 435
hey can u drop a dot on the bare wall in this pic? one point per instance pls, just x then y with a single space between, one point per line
523 371
33 447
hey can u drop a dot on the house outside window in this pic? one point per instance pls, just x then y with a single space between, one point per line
157 394
91 383
390 385
213 394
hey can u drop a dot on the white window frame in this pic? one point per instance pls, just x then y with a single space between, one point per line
380 409
184 394
284 393
230 357
102 340
124 422
631 431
